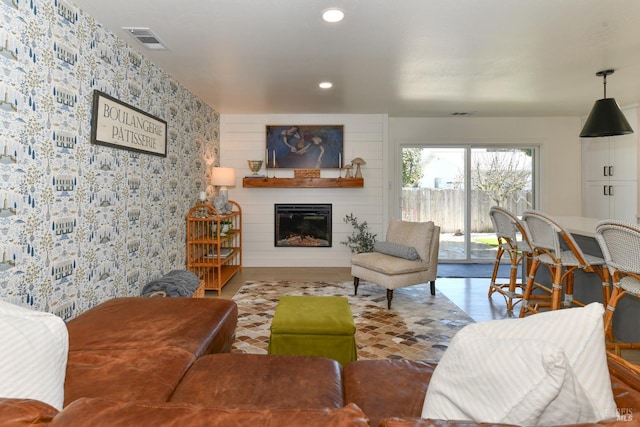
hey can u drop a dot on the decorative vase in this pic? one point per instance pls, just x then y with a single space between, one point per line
225 227
255 166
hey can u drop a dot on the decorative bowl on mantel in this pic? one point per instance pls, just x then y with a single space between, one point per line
255 166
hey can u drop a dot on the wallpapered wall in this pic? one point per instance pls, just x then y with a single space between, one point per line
83 223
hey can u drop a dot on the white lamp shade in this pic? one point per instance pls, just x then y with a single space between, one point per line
223 176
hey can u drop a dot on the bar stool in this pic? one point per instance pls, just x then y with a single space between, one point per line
545 235
508 227
620 245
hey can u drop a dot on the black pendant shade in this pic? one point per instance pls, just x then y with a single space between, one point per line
605 118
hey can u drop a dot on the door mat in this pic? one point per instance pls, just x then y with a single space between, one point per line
472 270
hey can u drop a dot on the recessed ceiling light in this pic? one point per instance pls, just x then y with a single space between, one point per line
326 85
333 15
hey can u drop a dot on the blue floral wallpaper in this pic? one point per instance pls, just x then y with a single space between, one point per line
83 223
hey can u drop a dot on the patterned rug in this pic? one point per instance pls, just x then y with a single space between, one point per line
419 326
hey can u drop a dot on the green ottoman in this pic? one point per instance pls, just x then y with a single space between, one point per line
314 326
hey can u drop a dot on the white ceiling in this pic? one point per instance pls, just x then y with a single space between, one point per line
407 58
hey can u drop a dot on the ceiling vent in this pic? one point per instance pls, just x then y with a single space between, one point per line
146 37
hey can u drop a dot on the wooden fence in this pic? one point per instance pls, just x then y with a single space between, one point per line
445 207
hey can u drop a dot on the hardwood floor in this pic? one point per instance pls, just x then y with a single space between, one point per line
471 295
468 294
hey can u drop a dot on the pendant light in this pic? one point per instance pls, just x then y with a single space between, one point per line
605 118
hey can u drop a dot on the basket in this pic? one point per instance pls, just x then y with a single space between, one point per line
199 292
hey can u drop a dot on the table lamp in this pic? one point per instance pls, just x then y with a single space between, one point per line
223 177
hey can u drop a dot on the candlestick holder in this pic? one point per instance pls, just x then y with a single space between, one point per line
202 198
273 165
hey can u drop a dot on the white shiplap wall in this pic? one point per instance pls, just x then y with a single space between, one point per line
243 138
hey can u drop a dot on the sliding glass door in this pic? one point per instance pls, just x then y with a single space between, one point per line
456 186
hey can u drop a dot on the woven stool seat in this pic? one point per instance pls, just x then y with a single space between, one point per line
545 236
508 228
631 285
620 244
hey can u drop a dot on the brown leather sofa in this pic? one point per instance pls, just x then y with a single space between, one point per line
165 361
391 392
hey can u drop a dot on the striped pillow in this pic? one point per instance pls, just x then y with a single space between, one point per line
545 369
33 351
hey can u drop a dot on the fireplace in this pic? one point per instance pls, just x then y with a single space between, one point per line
302 225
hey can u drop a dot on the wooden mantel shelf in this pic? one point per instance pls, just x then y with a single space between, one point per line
303 182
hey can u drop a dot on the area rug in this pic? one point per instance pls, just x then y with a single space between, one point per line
419 326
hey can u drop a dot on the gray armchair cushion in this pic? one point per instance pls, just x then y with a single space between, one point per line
387 265
414 234
396 249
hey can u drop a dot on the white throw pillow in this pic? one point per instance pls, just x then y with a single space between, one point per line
507 371
33 351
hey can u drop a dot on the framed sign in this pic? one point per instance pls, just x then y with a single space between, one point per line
304 146
116 124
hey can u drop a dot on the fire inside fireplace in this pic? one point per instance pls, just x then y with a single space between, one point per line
302 225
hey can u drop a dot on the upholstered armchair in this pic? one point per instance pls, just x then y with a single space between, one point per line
408 256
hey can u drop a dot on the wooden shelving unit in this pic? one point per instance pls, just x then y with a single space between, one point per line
214 250
303 182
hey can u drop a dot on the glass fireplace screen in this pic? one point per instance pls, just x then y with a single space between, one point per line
302 225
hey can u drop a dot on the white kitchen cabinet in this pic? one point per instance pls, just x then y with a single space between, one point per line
612 158
610 175
610 199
